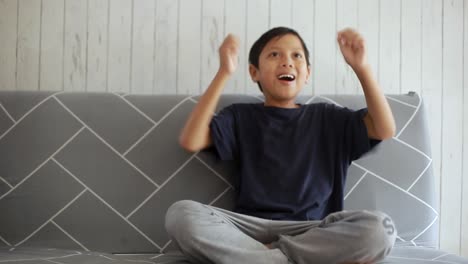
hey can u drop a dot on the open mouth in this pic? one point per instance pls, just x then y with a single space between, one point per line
286 77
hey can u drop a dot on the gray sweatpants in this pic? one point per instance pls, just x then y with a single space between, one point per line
206 234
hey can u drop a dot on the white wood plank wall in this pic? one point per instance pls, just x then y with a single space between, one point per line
170 46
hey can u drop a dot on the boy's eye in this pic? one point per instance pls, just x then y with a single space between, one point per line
298 55
274 54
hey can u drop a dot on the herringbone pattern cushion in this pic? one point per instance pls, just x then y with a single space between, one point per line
97 171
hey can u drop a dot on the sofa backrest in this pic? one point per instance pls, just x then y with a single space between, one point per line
97 171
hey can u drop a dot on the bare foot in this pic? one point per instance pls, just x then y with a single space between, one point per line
269 246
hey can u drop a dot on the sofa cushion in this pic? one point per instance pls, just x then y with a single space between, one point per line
400 254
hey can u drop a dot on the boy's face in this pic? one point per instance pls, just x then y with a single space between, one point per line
282 68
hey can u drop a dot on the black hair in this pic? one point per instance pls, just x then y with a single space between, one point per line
260 44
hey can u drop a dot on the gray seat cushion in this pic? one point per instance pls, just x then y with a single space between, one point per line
400 254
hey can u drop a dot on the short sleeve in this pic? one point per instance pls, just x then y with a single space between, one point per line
223 133
353 132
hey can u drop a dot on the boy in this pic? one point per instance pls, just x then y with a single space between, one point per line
293 160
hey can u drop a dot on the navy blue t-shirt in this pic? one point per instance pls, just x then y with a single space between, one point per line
292 162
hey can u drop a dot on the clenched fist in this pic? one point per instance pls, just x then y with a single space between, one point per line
229 54
353 48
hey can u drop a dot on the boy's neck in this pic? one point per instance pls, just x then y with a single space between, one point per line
282 104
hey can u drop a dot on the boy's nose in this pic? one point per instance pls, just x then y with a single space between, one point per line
287 64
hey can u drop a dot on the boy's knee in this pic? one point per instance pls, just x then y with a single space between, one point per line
177 216
380 233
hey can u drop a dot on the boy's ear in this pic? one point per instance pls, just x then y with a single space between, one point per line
253 72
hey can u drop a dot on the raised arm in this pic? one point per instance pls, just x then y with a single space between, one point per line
379 119
195 135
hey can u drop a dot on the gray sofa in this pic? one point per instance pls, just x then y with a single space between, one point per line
88 177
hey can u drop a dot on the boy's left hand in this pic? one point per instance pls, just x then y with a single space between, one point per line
353 48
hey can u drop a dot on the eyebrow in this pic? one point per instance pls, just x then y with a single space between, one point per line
278 47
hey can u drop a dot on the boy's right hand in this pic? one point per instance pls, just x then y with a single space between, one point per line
229 54
195 135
